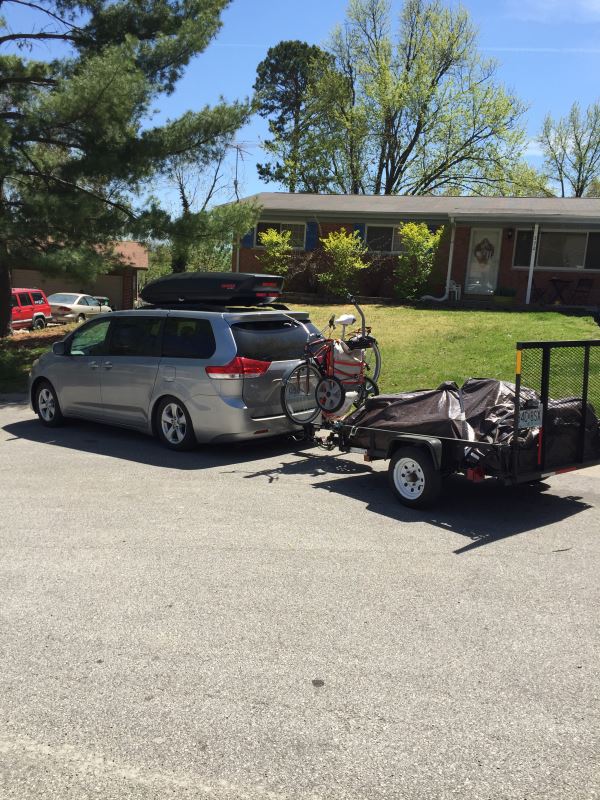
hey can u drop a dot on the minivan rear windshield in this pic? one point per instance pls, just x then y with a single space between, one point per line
271 340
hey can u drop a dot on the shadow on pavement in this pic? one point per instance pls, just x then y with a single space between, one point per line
484 513
91 437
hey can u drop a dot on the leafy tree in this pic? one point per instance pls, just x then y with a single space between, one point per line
201 237
417 112
282 81
593 189
276 257
415 262
76 135
571 147
345 256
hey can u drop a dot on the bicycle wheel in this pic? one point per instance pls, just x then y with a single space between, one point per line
372 359
299 394
330 394
368 389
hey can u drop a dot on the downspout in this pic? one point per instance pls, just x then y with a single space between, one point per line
532 263
449 273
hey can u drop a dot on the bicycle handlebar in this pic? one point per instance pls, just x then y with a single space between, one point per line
352 299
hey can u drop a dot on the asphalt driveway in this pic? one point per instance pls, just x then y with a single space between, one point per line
267 622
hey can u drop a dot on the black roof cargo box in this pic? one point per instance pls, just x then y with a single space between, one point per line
213 288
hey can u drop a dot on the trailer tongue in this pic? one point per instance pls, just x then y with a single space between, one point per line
543 424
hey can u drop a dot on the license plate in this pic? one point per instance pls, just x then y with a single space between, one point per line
530 417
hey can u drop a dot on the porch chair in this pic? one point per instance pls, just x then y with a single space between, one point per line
537 293
582 291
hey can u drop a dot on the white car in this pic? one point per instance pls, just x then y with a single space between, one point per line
67 307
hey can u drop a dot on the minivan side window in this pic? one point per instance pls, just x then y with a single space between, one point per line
188 337
90 340
135 336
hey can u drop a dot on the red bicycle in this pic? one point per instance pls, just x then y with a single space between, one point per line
331 379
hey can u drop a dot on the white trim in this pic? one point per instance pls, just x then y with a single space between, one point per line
278 222
532 257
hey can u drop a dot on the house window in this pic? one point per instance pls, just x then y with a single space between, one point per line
568 250
297 229
592 256
561 250
523 243
383 239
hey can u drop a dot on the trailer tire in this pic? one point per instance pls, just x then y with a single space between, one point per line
413 477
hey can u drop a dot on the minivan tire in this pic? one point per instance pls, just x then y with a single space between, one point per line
47 406
174 425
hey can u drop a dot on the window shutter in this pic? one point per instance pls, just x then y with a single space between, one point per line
361 228
248 239
312 235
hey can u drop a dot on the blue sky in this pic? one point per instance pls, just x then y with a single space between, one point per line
549 53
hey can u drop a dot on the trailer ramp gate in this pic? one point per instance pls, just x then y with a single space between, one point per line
562 417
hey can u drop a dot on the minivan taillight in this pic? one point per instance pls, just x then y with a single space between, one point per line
239 367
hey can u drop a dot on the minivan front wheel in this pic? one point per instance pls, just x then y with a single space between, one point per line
174 425
46 405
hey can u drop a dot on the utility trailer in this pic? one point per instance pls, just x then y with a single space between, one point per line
554 429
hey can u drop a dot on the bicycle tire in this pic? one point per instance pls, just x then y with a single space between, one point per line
299 394
368 389
374 365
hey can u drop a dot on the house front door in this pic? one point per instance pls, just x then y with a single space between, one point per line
484 259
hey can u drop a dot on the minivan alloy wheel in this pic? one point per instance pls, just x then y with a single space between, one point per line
173 423
46 405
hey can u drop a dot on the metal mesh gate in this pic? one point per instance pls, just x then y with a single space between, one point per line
565 377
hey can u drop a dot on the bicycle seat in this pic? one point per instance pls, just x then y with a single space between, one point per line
346 319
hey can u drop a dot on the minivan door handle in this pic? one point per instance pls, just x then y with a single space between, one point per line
93 365
107 365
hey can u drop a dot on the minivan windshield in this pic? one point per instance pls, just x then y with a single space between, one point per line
271 339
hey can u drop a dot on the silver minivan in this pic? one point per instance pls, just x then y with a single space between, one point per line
184 376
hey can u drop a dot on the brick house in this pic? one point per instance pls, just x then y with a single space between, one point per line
120 285
545 249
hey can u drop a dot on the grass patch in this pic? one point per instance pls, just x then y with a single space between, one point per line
19 351
421 347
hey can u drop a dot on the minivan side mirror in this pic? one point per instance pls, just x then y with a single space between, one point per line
59 349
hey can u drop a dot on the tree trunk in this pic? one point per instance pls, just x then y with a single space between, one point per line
5 295
178 261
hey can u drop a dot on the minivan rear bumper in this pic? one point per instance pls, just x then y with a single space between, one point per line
230 420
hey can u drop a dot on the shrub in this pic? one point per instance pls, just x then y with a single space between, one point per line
415 262
345 252
275 258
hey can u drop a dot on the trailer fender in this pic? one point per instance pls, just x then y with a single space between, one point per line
433 445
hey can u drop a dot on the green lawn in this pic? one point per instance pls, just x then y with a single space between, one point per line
421 348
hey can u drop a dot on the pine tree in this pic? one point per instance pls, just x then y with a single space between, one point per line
76 135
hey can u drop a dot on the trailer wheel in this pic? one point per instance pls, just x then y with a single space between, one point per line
413 477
